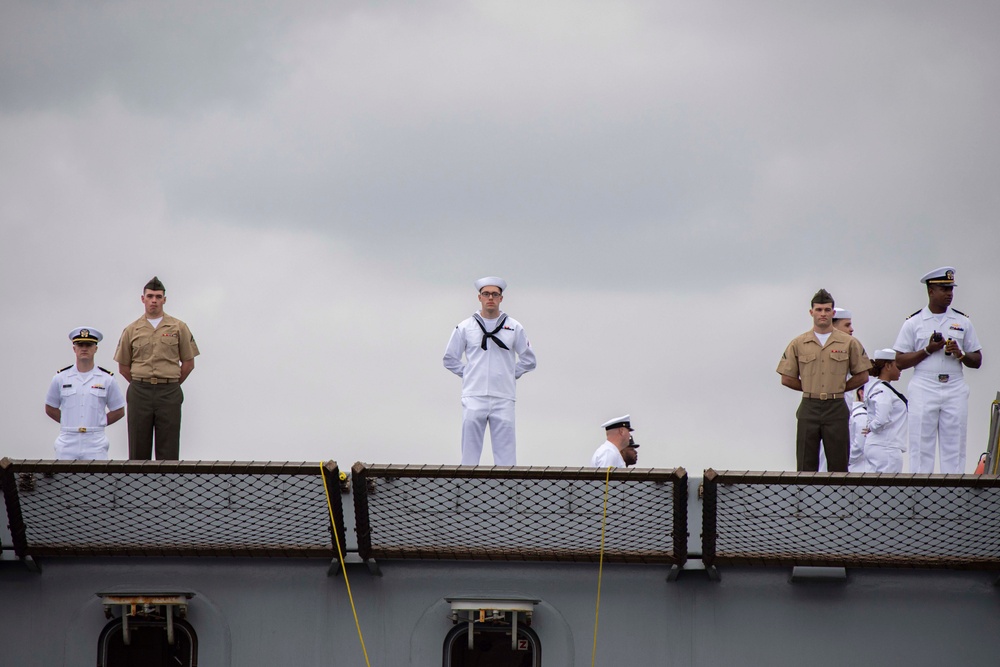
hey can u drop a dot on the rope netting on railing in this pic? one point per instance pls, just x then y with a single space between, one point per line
168 508
520 513
835 519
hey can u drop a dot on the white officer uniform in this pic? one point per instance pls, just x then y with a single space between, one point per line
938 393
83 400
886 439
497 353
608 455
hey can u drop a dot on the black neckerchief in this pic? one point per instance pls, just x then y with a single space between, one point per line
491 334
893 390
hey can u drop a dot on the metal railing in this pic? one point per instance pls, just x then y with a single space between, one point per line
851 520
543 514
170 508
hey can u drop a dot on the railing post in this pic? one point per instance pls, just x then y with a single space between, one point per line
359 480
708 517
13 503
680 516
331 473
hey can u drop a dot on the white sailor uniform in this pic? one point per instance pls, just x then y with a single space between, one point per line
886 439
83 400
938 394
857 426
607 455
497 353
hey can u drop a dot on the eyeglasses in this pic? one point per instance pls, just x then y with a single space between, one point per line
491 295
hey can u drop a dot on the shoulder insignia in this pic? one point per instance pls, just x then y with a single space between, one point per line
916 313
959 312
105 370
64 369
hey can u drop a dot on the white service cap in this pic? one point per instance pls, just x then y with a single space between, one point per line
941 276
888 355
624 420
86 335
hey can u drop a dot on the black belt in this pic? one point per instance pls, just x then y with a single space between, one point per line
156 380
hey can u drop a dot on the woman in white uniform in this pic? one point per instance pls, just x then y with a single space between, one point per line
885 441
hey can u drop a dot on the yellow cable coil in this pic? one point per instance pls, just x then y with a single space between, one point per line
343 566
600 567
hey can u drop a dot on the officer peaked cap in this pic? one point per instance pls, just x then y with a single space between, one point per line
942 276
618 422
86 335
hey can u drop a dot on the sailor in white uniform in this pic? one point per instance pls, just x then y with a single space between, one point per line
857 426
938 342
84 399
497 353
843 320
618 436
885 441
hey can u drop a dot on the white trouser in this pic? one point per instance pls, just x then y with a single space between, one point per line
477 411
879 458
938 416
91 446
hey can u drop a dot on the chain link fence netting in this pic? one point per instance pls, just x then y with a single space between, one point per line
453 512
835 519
170 508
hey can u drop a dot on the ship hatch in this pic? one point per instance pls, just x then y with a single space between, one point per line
494 633
147 629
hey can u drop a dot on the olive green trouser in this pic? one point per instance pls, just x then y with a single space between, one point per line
154 409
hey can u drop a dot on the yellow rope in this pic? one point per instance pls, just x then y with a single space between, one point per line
340 555
600 567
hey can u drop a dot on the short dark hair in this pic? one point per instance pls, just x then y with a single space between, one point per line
155 285
878 365
822 296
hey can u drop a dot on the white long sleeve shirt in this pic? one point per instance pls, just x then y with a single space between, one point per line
493 371
886 417
857 425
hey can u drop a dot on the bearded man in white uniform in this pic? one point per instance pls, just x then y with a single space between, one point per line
84 399
938 342
618 439
497 353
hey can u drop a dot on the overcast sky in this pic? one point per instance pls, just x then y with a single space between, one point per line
664 185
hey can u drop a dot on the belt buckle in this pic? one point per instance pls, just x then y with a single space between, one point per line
943 377
152 381
82 429
823 396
